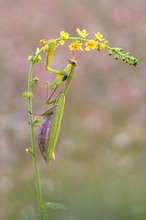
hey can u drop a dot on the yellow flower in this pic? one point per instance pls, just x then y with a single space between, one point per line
30 58
102 46
39 58
64 36
91 44
27 150
82 33
37 50
46 47
42 41
75 46
99 36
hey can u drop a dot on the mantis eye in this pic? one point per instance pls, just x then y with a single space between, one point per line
64 78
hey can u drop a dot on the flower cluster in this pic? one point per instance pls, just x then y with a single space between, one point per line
80 43
38 56
98 43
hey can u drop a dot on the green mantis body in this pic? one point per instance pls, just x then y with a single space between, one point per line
50 128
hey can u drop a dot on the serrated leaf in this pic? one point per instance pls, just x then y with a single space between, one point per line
55 206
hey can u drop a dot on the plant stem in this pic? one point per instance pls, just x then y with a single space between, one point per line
33 146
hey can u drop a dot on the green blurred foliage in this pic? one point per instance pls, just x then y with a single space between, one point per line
99 171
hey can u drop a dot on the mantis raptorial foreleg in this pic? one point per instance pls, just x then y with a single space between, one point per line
60 79
61 74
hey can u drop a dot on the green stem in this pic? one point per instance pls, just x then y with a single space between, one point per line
74 39
33 146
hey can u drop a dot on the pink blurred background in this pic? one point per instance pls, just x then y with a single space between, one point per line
99 171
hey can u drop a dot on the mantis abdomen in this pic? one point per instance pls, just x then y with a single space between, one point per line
49 130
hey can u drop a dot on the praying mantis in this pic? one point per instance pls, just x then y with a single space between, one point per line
50 128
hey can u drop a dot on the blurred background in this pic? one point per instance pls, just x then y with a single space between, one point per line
100 166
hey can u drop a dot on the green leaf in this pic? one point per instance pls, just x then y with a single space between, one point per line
55 206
